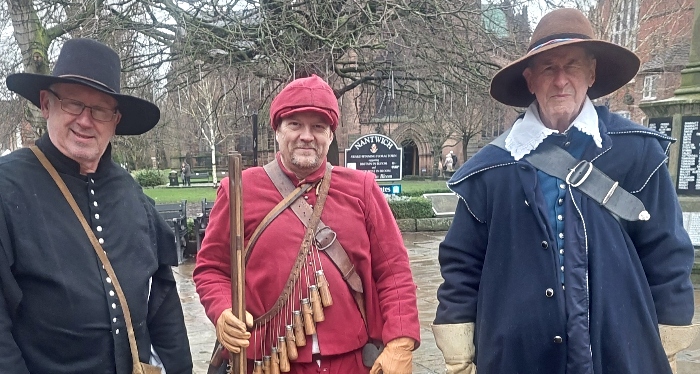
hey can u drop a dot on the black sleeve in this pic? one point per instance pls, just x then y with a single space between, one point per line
11 360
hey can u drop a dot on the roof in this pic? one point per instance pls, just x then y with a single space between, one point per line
666 59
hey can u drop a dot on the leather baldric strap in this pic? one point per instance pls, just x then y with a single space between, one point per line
582 174
138 367
314 219
326 240
279 208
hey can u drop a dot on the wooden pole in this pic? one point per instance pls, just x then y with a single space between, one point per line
235 166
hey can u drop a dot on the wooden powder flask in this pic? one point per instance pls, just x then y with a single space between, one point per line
322 283
299 336
258 367
275 361
309 324
292 352
282 352
316 306
266 364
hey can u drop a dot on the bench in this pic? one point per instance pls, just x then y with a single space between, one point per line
175 215
201 221
200 176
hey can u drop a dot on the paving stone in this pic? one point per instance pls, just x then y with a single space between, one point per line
422 250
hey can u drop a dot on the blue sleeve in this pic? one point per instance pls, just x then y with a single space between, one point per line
461 257
664 248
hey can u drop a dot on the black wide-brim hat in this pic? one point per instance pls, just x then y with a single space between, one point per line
90 63
615 65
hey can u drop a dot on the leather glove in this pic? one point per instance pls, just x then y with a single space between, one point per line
396 358
456 341
677 338
232 332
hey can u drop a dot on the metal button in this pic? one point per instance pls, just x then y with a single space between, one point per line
561 235
526 203
567 144
558 339
102 241
562 269
562 186
94 203
99 228
92 180
114 306
111 293
549 292
561 251
116 331
92 192
560 201
108 279
560 217
545 244
97 216
114 320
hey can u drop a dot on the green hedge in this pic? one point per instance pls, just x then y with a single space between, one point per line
150 177
413 207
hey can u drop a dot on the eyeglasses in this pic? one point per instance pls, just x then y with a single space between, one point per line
76 107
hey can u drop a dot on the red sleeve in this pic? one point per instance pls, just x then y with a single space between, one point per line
390 268
212 272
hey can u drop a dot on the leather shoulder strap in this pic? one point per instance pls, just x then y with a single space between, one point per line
582 174
101 254
325 237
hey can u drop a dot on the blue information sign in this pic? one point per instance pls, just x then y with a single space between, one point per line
390 189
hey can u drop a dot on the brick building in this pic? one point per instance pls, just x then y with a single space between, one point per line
659 32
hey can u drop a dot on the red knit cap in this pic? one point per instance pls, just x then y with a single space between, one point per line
310 94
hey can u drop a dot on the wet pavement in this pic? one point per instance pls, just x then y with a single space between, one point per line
422 250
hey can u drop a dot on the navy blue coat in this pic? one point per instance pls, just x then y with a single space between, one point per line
623 278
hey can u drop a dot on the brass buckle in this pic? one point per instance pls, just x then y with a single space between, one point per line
576 171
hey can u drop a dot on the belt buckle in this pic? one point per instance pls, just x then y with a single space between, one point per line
318 243
577 171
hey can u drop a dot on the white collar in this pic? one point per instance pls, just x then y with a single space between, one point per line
528 132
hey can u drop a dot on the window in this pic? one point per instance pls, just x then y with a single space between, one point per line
624 24
650 87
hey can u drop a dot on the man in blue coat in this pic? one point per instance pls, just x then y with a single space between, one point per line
566 273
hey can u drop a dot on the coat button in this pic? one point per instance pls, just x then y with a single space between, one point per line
549 292
558 339
545 244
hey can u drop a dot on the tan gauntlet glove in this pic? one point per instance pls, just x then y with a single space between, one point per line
456 341
677 338
231 332
396 358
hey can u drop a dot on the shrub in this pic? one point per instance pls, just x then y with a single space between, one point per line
150 177
411 207
413 178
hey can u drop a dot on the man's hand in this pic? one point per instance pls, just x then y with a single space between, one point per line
396 358
232 332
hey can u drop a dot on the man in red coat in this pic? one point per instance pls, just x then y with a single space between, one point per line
377 304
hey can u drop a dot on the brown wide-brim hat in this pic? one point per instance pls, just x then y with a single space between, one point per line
90 63
615 65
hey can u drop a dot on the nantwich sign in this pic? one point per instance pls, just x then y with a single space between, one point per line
376 153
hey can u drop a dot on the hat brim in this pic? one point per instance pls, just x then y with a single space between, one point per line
305 109
615 67
138 115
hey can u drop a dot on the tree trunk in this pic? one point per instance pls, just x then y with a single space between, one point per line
33 42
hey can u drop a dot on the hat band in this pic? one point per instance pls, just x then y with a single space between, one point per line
87 79
556 38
